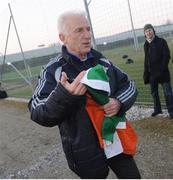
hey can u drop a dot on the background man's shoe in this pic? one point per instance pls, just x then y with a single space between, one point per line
155 113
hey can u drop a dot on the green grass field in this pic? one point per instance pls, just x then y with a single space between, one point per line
134 70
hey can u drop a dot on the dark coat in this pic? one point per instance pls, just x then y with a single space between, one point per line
51 105
156 61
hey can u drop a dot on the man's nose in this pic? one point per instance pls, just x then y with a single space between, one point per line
87 34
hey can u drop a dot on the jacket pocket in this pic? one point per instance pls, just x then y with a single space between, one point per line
91 162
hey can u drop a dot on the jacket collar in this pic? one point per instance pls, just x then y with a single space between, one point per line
68 56
92 55
150 40
153 41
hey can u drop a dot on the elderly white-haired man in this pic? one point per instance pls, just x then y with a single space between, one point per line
60 99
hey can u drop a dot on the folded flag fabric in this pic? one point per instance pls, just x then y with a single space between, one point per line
97 83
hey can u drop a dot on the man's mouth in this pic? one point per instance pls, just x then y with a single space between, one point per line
86 44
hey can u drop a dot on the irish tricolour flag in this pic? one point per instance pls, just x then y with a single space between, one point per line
97 83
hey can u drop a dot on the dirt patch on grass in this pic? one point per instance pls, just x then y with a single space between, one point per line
28 150
155 148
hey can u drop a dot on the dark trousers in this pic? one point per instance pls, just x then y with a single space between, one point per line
167 90
124 167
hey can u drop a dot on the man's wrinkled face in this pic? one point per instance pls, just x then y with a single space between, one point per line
149 33
77 37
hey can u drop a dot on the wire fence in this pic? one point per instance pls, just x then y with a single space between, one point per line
28 38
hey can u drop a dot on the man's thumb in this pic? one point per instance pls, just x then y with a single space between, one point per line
64 78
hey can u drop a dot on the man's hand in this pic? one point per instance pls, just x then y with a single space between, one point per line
75 88
112 107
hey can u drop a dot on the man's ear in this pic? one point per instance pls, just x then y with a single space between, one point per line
62 37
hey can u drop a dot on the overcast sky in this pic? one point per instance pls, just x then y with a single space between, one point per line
36 19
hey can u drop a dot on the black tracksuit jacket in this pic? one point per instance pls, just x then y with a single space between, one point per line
51 105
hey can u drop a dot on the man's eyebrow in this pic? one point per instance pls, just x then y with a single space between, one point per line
81 27
78 28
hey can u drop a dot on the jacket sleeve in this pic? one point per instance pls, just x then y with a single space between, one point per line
50 101
146 74
122 88
165 55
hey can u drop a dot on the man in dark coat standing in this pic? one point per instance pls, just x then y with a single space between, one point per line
157 56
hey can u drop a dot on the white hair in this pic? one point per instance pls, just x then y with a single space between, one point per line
62 20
